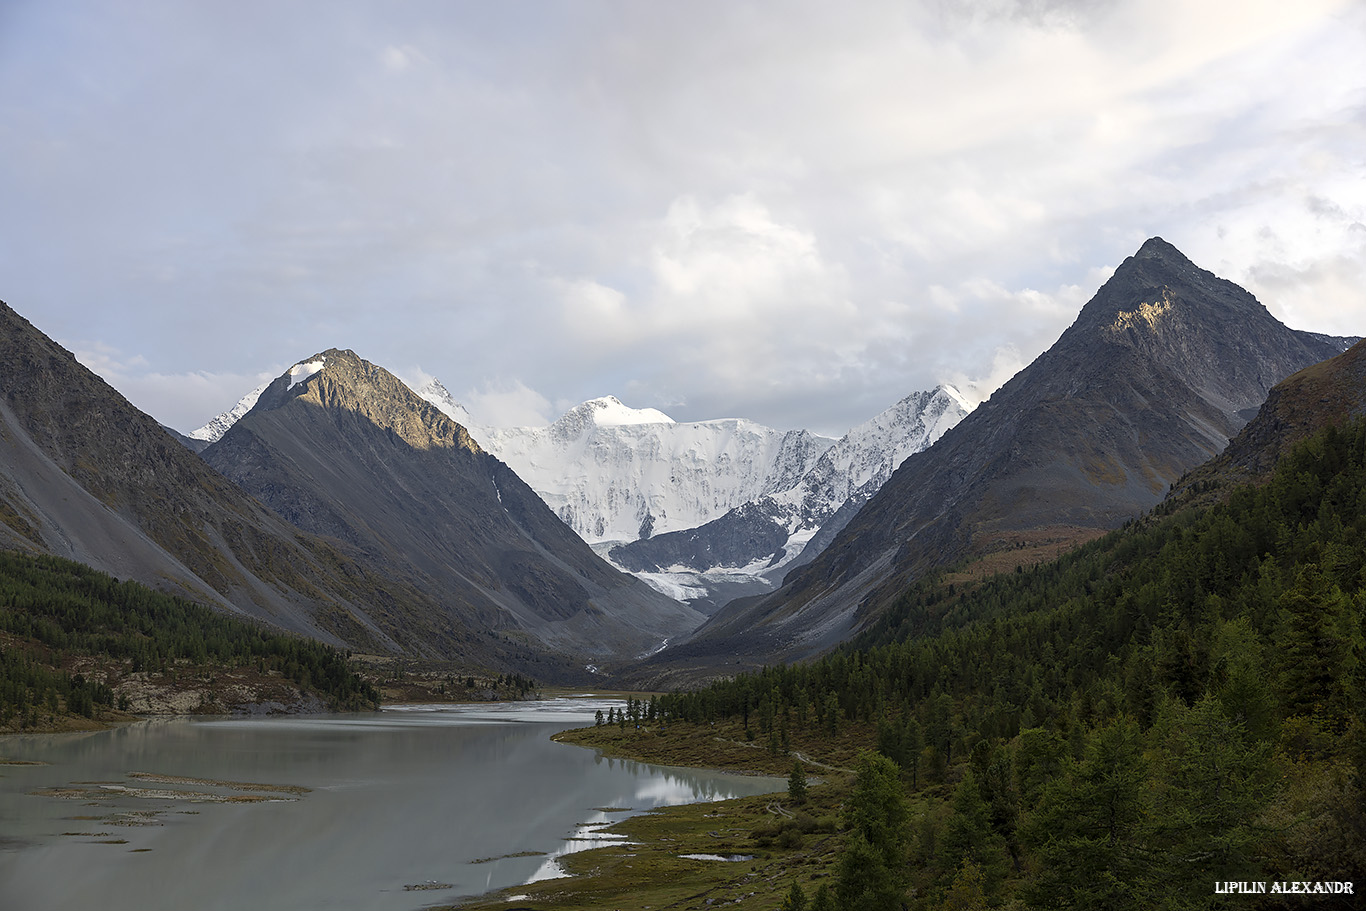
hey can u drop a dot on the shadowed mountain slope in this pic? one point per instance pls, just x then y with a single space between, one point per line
1327 393
342 448
87 476
1161 368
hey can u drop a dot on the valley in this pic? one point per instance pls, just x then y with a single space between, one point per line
1141 552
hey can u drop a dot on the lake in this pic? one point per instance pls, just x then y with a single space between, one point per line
398 809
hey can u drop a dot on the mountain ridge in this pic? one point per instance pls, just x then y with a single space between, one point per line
350 452
765 538
1159 370
87 476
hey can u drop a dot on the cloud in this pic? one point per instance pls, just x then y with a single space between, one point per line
1006 361
797 218
183 401
508 403
396 57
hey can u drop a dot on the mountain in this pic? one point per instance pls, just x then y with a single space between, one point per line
342 449
212 431
620 474
1161 368
86 476
615 473
1325 394
755 544
441 397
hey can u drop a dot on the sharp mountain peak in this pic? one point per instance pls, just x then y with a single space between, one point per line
339 380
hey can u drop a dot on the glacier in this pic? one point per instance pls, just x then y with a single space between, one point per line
615 473
751 547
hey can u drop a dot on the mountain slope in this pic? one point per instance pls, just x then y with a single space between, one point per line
86 476
1160 369
343 449
1324 394
763 539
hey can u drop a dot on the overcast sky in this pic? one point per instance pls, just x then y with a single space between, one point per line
797 212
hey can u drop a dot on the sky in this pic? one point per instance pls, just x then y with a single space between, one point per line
794 212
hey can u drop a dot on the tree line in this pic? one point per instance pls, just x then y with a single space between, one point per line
53 610
1179 702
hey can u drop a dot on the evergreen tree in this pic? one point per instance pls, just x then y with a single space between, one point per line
796 783
1090 830
1212 785
1316 643
968 836
872 871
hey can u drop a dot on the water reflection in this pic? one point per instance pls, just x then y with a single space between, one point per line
466 798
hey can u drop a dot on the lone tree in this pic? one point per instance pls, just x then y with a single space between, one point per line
796 783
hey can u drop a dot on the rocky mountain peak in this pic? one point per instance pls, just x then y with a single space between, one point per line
1158 289
1174 316
1162 367
343 448
340 381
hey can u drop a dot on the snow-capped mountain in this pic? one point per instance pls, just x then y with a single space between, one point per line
759 541
615 473
865 457
438 395
705 510
214 430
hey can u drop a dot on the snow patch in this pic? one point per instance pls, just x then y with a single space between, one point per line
674 585
301 373
609 411
655 651
437 394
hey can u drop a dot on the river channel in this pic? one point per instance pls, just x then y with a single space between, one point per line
399 809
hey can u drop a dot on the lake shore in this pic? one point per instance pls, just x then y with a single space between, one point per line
394 786
673 857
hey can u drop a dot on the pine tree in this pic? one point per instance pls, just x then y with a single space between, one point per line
795 899
872 872
1315 647
1090 833
1213 783
796 783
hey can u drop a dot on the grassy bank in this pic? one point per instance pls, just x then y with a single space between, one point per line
783 840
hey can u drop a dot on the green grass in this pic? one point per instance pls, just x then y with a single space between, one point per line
789 842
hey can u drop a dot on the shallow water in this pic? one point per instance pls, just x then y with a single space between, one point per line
398 809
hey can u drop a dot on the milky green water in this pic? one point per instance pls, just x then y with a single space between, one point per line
404 808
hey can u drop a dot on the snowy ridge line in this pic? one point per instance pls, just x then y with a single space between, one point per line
618 475
615 473
212 431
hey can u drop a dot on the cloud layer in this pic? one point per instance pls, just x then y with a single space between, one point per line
794 213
